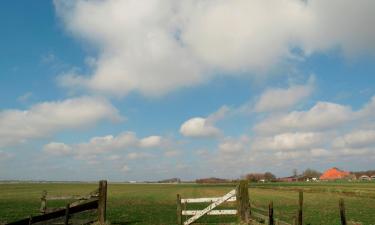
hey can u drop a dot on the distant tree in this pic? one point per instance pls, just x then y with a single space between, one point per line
254 177
268 176
310 173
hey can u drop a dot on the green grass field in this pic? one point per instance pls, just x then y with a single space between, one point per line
156 203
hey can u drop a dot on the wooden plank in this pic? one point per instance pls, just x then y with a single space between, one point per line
102 202
59 213
342 211
243 203
211 213
201 200
210 207
259 216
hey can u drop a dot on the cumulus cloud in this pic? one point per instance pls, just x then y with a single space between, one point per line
234 145
199 127
157 46
323 115
355 139
276 99
151 141
44 119
125 142
289 141
56 148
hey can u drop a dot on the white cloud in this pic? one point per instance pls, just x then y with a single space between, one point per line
44 119
319 152
157 46
56 148
151 141
124 143
138 155
199 127
276 99
323 115
289 141
125 168
355 139
233 145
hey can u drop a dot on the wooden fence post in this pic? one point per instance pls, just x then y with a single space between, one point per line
30 220
43 202
300 208
342 211
179 210
66 221
243 204
102 203
270 214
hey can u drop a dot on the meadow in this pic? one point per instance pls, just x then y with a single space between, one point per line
142 204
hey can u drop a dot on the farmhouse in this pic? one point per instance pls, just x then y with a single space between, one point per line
334 174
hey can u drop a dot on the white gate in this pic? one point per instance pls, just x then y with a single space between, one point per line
196 214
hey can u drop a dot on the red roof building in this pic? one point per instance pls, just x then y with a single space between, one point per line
334 174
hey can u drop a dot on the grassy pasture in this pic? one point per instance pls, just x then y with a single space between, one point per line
143 204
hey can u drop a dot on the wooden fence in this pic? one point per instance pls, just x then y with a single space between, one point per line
244 212
99 203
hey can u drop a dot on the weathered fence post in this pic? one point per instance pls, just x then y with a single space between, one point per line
30 220
43 202
300 208
66 221
270 214
243 204
102 203
179 210
342 211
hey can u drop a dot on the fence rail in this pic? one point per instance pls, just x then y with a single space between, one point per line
99 204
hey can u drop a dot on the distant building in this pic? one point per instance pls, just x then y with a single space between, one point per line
364 177
334 174
172 180
287 179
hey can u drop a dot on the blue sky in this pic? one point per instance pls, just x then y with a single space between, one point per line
147 90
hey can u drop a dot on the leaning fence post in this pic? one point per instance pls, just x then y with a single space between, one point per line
66 222
270 214
243 204
179 210
300 208
342 211
102 202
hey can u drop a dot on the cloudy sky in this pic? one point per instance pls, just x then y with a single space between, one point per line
153 89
